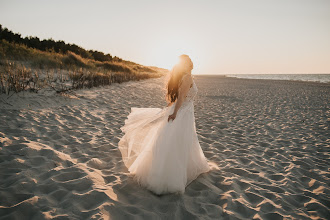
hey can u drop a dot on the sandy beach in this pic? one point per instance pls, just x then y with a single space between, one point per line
267 141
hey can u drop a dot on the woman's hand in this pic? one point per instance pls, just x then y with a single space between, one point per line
169 104
173 116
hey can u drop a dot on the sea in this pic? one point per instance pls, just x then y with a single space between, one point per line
323 78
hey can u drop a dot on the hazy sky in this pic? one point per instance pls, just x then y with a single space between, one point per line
221 37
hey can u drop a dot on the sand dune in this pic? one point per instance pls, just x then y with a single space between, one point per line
267 141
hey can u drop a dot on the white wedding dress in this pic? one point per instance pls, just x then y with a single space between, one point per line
163 156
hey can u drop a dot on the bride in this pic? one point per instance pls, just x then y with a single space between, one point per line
160 147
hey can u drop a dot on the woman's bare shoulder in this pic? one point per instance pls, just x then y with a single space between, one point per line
186 82
187 79
187 76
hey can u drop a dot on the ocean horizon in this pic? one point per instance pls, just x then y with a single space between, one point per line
323 78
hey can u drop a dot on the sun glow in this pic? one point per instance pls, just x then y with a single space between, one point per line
165 53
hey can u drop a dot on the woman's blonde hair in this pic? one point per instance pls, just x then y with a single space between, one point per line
176 75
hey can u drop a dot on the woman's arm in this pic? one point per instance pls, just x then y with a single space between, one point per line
183 91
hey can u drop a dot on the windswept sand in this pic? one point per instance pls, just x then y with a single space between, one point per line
268 142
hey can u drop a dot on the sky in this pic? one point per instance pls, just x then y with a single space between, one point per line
221 37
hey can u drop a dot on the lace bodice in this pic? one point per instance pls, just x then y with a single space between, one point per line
191 93
188 101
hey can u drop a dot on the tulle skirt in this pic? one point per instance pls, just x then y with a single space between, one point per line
162 156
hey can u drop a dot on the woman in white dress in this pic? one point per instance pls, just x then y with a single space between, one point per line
160 147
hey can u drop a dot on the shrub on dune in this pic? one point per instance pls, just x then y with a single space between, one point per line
72 59
115 66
